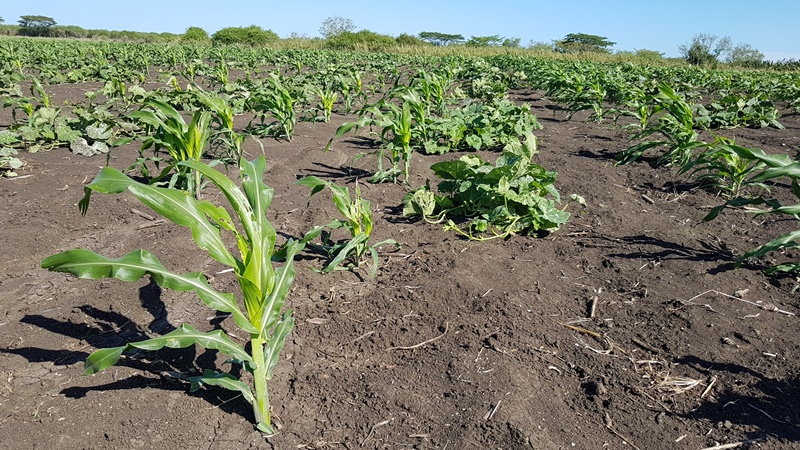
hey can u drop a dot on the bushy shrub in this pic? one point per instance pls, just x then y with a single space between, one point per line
9 30
68 31
195 34
363 40
252 35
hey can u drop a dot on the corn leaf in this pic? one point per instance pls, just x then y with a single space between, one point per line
174 205
138 263
182 337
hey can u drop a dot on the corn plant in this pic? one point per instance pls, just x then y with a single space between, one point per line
723 169
327 98
434 88
357 221
273 99
352 89
772 167
396 125
183 142
264 287
224 137
675 123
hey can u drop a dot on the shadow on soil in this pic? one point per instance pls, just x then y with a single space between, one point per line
771 406
670 250
164 369
345 174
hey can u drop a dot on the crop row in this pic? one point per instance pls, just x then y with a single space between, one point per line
407 104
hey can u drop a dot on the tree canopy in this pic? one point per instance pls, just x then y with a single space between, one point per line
336 25
582 43
743 54
706 49
437 38
484 41
35 25
364 40
492 41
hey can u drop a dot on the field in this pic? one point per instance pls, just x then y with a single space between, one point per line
634 324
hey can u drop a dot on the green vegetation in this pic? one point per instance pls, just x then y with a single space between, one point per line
514 195
167 130
437 38
9 163
707 49
36 25
253 36
357 221
363 40
408 102
263 286
196 34
583 43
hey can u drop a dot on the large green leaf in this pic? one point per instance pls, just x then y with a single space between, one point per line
785 240
182 337
175 205
225 380
283 279
231 192
276 342
133 266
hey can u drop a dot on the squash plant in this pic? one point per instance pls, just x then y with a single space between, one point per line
515 195
264 287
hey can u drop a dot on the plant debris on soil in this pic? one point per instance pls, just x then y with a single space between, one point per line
630 327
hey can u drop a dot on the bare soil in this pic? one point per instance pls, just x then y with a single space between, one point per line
631 327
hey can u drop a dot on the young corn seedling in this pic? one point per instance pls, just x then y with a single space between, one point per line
183 142
725 170
357 221
399 126
275 100
264 287
224 137
676 124
774 166
327 98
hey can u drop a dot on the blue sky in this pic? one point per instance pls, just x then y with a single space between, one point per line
769 26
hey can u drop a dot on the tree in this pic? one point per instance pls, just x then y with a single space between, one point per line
705 48
409 40
2 20
744 54
436 38
512 42
36 25
484 41
195 34
582 43
336 25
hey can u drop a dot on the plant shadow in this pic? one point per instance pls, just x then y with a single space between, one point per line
665 250
162 369
766 405
346 174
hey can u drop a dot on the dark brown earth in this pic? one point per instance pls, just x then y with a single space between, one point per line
685 351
